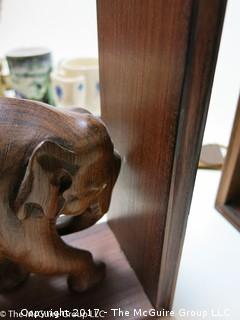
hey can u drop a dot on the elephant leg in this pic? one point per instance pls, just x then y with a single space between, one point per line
53 256
83 281
11 275
83 272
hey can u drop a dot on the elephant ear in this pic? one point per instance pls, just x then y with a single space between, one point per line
48 174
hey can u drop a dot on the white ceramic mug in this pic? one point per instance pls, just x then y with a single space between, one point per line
88 68
68 91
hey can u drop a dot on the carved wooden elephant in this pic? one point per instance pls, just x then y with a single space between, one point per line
52 162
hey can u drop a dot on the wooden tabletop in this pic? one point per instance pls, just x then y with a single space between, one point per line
120 289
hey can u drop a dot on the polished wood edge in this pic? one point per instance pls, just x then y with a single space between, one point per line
230 213
230 172
194 108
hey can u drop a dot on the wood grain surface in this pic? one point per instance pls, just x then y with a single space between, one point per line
120 289
205 33
157 61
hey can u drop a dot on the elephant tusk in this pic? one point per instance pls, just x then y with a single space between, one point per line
75 223
95 209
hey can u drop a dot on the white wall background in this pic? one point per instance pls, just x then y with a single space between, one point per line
68 27
227 79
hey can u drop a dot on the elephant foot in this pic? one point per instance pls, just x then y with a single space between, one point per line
85 281
11 275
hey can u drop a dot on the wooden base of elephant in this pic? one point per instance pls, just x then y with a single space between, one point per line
13 275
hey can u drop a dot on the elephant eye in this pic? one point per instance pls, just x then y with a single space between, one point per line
65 183
62 179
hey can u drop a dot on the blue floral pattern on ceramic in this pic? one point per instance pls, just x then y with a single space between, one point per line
97 87
80 87
59 92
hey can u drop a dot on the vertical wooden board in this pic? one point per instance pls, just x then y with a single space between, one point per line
204 38
144 61
228 200
230 179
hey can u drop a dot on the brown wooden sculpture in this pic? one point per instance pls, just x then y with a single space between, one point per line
51 162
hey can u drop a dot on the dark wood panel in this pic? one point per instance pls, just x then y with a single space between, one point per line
120 289
142 61
205 33
228 196
155 85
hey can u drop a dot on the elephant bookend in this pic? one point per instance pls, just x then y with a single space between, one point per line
52 163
